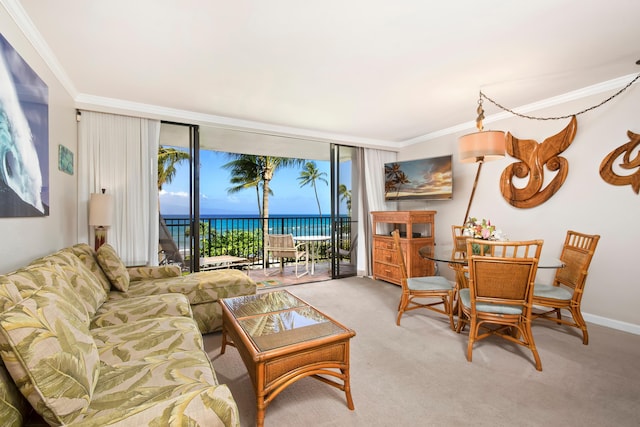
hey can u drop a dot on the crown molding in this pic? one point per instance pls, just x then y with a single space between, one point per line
18 14
606 86
22 20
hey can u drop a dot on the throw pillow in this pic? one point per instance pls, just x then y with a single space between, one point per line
51 355
113 267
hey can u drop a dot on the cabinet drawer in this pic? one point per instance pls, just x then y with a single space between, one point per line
384 255
386 271
383 244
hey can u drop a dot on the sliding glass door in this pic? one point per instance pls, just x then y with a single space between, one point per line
344 189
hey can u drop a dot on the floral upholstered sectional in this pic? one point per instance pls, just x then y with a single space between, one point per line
86 341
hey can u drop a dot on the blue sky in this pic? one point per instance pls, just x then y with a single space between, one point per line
288 197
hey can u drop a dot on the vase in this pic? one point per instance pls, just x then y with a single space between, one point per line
475 247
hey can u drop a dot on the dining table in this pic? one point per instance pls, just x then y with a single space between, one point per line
446 254
311 246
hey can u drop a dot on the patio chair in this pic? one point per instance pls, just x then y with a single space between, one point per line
421 288
168 252
500 293
282 246
345 253
565 293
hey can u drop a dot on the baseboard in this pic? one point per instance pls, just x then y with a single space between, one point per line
611 323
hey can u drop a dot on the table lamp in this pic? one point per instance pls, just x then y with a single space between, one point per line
100 215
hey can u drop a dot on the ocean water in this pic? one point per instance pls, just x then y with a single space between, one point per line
298 225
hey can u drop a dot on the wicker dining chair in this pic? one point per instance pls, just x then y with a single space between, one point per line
499 298
421 288
282 246
459 242
565 293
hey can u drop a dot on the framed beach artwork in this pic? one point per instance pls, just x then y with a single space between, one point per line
430 179
24 137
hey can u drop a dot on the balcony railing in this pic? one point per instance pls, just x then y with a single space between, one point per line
243 236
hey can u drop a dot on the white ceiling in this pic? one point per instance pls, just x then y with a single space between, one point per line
378 72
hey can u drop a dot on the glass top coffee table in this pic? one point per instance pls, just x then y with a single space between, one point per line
282 339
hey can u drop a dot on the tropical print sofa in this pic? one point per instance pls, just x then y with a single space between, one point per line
84 341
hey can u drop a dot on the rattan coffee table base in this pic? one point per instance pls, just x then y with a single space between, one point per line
325 358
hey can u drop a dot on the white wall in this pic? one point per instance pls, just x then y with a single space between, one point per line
585 203
23 239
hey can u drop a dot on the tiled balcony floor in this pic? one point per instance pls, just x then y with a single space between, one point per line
288 277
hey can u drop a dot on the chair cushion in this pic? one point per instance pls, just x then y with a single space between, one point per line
113 267
429 283
552 292
465 299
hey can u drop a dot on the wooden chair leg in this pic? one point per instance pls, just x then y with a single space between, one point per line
579 320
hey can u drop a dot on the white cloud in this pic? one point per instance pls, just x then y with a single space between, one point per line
164 193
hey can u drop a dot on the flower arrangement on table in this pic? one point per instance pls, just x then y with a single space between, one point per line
481 229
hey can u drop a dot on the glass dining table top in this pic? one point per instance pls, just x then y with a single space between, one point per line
445 254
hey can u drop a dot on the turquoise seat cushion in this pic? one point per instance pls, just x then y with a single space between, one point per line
429 283
465 299
552 292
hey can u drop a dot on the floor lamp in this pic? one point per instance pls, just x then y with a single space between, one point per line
480 147
100 215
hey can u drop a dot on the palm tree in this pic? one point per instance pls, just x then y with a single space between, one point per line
394 178
345 195
266 166
245 174
168 158
309 175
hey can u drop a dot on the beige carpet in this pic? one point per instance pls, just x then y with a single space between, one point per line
417 374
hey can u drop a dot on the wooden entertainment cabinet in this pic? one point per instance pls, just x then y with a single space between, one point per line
416 230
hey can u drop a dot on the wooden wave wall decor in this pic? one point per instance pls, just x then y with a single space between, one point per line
606 167
534 157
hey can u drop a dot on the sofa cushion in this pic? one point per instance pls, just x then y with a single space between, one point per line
88 256
50 354
23 283
160 390
146 338
113 267
202 287
129 310
13 407
82 280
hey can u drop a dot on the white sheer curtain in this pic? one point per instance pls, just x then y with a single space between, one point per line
119 154
372 199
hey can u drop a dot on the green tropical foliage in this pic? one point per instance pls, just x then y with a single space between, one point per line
345 196
168 158
264 168
309 175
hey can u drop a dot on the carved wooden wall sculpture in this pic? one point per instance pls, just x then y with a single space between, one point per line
534 157
606 167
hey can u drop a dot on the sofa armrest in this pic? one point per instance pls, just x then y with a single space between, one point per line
156 272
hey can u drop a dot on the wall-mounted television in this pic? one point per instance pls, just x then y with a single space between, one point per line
430 179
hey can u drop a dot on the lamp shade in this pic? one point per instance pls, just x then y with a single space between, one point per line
481 146
100 210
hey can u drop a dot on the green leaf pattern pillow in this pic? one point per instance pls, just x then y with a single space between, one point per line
51 355
113 267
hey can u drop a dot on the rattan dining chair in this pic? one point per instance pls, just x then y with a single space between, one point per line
499 298
282 246
459 242
421 288
568 284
